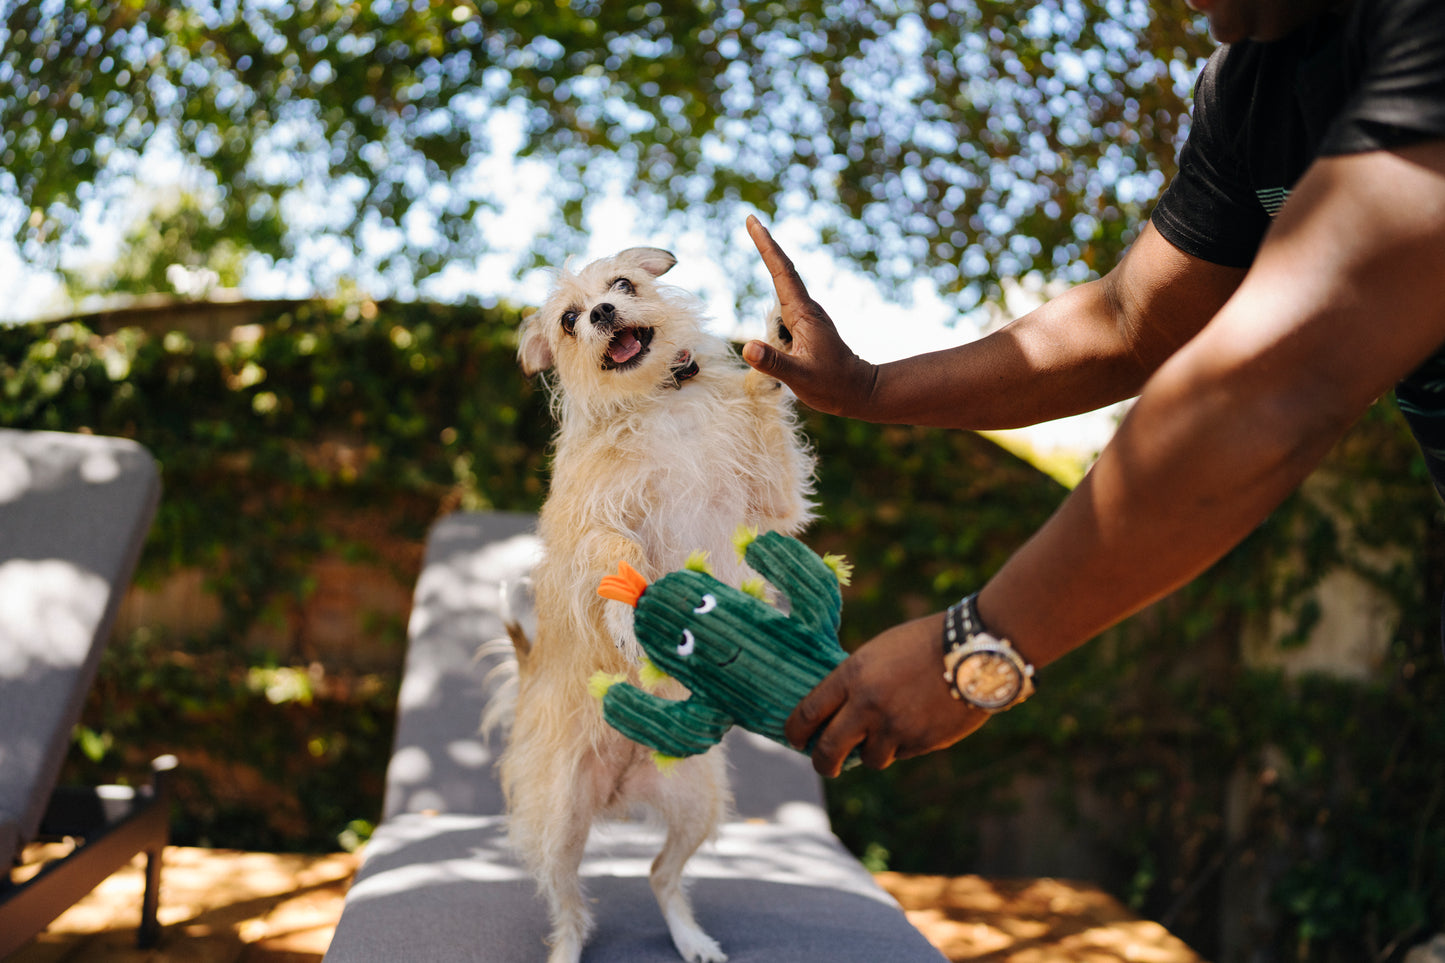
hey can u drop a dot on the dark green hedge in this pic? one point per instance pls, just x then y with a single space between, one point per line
271 447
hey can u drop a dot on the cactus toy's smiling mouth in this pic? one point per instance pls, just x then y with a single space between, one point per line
730 658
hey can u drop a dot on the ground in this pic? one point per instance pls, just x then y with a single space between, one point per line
223 906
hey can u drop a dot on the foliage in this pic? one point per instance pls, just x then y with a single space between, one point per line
261 767
957 140
1198 783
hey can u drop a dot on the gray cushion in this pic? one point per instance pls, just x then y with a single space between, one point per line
439 760
446 889
74 511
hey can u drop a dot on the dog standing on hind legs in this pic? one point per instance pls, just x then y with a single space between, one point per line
666 444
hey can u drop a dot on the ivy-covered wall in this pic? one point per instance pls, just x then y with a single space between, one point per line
1259 816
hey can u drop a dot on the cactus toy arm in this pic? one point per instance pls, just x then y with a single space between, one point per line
674 728
810 583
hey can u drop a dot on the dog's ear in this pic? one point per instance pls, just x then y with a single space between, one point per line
653 260
534 351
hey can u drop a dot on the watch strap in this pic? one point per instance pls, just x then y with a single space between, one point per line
961 622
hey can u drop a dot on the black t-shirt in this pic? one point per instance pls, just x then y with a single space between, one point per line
1371 77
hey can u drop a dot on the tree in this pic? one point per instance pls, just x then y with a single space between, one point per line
964 140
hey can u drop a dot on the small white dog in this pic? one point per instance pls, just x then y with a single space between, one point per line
666 445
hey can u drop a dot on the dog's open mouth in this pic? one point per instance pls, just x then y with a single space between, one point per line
627 348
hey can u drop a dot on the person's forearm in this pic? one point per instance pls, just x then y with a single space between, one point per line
1201 460
1066 357
1094 345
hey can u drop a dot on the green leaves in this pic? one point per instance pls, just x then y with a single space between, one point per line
963 141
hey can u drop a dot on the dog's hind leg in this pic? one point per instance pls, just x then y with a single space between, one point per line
692 804
551 813
562 885
557 859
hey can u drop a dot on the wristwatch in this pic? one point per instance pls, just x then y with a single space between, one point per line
982 669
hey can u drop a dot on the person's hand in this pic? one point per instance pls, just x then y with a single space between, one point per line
818 366
890 697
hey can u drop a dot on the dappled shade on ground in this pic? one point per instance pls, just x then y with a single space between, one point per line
224 906
1030 921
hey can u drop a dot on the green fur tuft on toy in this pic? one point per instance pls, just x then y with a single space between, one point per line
743 661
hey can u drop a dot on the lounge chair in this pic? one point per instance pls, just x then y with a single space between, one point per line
74 512
439 883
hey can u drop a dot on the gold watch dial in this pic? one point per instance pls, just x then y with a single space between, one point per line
988 680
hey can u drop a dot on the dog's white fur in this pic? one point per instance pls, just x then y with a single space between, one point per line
652 462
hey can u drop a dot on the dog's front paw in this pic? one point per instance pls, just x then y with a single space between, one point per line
778 334
618 616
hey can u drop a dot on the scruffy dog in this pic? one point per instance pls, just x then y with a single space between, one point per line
666 444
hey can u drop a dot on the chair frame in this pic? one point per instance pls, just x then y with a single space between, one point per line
110 824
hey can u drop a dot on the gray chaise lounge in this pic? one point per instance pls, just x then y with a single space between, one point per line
74 512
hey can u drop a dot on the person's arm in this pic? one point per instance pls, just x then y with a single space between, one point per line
1346 297
1094 345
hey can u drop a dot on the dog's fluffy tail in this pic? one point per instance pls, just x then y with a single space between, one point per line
500 682
506 655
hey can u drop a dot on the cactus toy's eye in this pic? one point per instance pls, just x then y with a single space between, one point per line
708 604
687 644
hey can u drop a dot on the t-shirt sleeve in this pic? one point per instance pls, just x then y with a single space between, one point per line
1208 210
1401 96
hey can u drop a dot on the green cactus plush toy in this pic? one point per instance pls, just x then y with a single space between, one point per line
743 661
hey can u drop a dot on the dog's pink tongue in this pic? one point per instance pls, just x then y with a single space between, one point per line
624 347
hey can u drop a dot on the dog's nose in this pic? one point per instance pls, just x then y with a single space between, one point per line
603 314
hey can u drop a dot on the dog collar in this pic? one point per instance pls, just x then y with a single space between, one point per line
684 366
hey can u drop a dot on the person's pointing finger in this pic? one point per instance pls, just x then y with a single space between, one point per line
785 277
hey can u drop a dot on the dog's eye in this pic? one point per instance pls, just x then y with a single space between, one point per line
569 321
708 604
688 643
624 285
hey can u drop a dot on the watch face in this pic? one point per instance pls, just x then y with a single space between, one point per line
988 680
